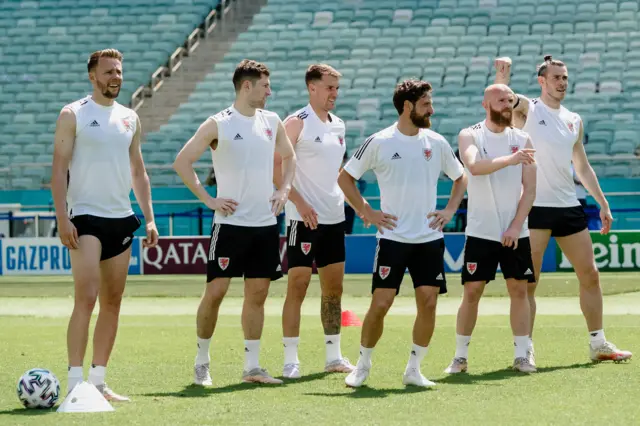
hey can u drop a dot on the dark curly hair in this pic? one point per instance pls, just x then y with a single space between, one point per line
409 90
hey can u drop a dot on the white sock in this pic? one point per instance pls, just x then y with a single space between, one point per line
75 376
462 346
203 351
96 374
365 357
291 350
415 358
332 345
251 354
597 338
530 345
521 344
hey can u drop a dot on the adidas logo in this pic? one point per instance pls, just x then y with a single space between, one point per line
238 137
126 240
329 342
528 272
594 334
440 277
542 123
413 353
246 349
318 139
396 156
279 268
94 123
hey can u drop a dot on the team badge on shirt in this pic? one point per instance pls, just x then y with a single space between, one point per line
427 153
514 148
570 125
269 133
223 262
128 123
472 267
341 139
305 247
384 271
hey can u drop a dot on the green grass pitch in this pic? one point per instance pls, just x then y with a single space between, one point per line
153 359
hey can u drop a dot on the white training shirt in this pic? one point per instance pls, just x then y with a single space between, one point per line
407 168
243 165
100 169
319 150
493 198
553 134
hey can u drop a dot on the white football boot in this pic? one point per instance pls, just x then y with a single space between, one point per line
201 375
356 378
259 375
608 352
110 395
341 365
291 371
522 364
414 377
458 365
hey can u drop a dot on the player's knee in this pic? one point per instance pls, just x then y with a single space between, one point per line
86 297
332 290
111 300
518 290
381 306
472 294
298 288
256 296
589 276
429 303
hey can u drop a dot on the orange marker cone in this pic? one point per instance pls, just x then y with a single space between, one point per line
350 319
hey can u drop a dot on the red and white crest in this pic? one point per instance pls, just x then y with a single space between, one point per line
223 262
384 271
514 149
127 123
341 139
570 125
269 133
472 267
305 247
427 153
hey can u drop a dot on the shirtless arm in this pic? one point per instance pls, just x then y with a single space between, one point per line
294 127
142 187
285 150
206 135
520 102
590 181
471 157
64 140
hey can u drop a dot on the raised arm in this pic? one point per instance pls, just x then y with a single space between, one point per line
284 149
205 136
520 102
589 180
64 140
477 166
142 187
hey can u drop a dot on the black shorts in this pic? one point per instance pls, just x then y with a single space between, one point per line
325 245
115 234
562 221
481 258
244 251
424 260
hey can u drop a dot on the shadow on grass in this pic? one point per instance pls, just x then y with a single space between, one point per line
29 412
506 373
368 392
195 391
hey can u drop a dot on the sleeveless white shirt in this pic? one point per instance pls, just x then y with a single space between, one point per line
319 151
553 134
243 165
100 169
493 198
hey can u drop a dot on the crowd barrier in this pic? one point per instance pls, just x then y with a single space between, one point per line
618 251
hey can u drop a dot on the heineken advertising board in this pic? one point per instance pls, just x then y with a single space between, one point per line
617 251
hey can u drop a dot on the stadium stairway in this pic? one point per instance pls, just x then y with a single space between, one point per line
176 90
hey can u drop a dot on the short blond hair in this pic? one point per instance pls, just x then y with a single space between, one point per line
316 71
104 53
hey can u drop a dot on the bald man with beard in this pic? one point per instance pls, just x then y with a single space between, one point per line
500 165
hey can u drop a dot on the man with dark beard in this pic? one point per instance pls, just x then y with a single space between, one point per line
502 186
407 159
96 162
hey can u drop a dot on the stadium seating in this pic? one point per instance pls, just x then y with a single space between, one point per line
44 47
374 43
452 44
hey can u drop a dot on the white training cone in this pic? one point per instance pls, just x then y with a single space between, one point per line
85 398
